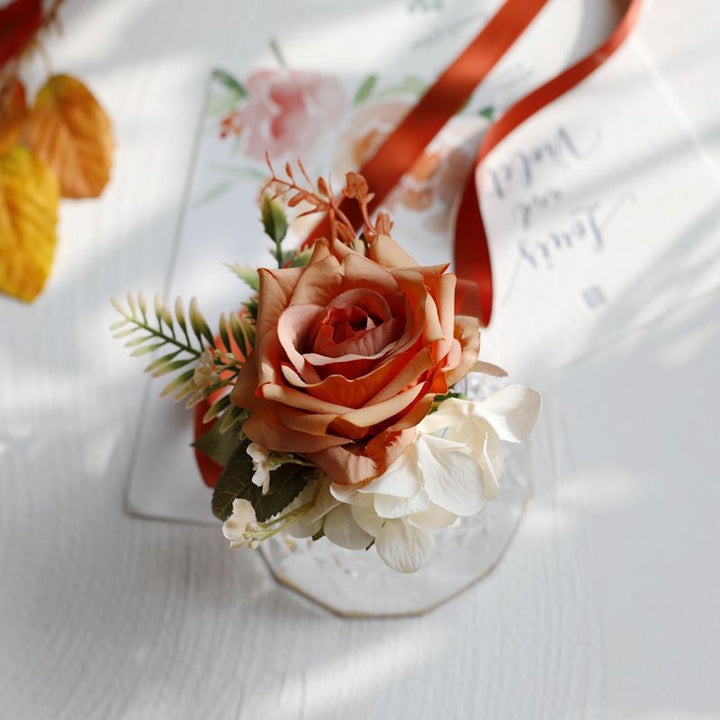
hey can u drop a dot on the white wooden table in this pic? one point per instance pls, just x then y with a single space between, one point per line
605 607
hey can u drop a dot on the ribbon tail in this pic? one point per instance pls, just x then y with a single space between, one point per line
472 253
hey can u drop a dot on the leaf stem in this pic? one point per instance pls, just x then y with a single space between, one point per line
167 338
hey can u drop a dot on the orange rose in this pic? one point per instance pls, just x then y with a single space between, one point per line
351 351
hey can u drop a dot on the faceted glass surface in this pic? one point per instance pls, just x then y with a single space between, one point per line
356 583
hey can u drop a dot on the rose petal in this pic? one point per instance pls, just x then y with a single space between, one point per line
388 253
340 528
275 290
445 301
320 281
294 325
403 547
467 332
297 399
310 423
346 465
362 272
371 344
409 375
266 428
373 414
353 392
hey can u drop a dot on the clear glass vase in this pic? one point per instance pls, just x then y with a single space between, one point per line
356 583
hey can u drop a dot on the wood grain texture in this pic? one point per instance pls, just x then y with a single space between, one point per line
107 616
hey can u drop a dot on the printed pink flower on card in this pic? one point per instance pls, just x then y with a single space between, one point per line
435 181
286 112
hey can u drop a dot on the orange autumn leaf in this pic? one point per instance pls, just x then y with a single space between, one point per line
12 114
68 130
29 198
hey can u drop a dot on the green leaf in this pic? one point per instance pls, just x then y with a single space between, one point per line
365 89
439 399
251 306
231 417
215 192
177 383
147 349
216 408
286 483
172 366
161 361
274 219
410 84
222 328
199 324
301 259
249 275
230 82
240 334
233 482
218 446
488 112
288 256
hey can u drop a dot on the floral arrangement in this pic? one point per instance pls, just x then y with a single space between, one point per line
332 398
60 145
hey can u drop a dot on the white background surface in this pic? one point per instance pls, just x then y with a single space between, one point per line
606 605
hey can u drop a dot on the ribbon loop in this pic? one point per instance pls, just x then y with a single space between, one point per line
404 146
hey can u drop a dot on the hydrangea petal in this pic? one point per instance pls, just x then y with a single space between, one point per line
403 547
491 480
235 526
403 479
487 368
388 506
340 528
365 516
512 412
434 518
453 478
344 493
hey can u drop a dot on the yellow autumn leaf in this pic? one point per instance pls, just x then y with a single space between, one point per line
68 130
29 199
12 114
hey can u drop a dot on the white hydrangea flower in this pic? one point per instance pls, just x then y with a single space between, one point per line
317 493
235 527
261 465
205 373
454 465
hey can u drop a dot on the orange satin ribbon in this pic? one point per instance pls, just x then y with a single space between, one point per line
404 146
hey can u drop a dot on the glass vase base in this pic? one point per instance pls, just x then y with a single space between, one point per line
356 583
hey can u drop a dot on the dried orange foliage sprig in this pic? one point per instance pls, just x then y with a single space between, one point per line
59 146
323 200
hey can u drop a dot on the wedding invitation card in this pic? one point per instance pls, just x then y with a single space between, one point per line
596 209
